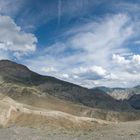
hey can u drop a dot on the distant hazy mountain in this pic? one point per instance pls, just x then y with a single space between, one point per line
132 95
120 93
21 84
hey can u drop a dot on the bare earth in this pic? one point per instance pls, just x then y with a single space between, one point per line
120 131
19 121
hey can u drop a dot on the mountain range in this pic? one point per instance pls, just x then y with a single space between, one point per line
21 85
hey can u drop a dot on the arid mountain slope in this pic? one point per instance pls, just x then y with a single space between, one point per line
14 73
27 87
12 112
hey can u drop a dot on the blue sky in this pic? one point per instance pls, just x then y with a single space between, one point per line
87 42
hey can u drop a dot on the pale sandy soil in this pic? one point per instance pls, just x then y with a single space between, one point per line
45 124
120 131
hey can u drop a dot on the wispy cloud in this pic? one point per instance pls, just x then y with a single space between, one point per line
11 8
88 50
127 7
99 50
40 13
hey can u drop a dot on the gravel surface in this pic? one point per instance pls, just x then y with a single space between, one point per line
120 131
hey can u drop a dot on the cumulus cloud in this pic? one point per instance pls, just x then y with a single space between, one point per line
93 73
136 59
132 64
119 59
14 40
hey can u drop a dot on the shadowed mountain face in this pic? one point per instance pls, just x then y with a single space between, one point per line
18 81
17 73
135 101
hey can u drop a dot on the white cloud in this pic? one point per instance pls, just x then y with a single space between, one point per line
119 59
65 76
96 69
93 73
100 40
130 65
136 59
85 55
133 60
14 40
48 69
